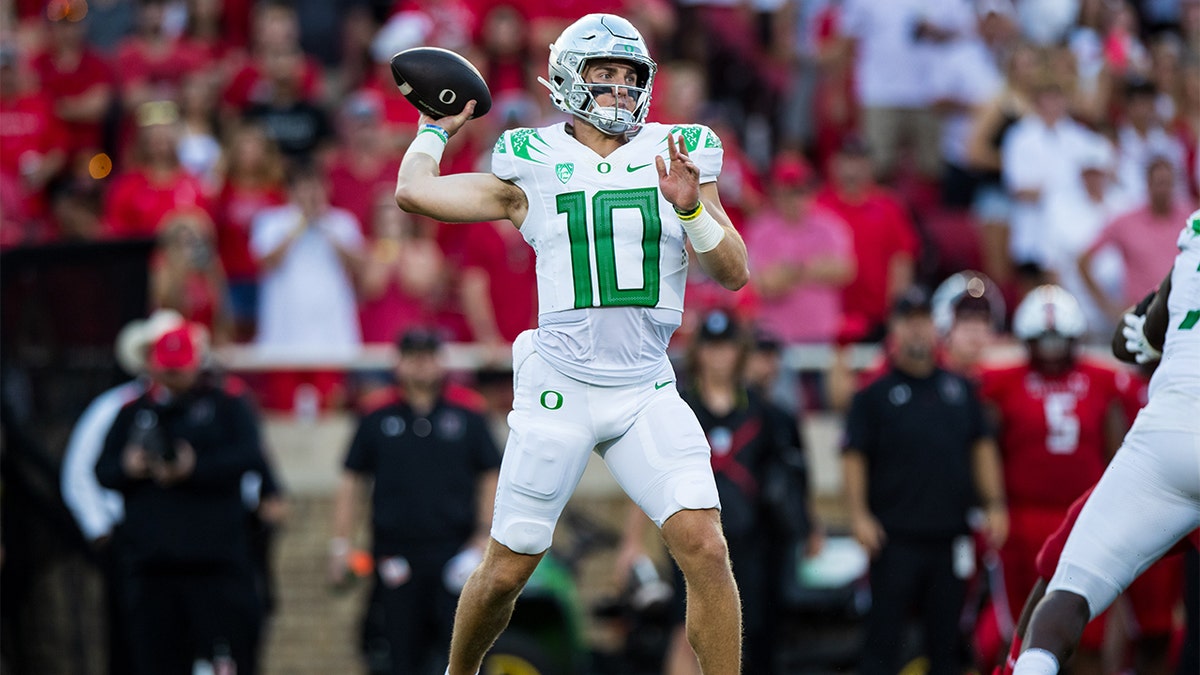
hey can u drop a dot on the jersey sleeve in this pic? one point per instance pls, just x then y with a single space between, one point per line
705 148
518 151
503 162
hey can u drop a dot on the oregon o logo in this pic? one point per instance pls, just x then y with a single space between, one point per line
447 96
604 167
551 400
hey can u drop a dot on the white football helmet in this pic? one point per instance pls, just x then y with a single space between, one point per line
966 287
599 36
1049 309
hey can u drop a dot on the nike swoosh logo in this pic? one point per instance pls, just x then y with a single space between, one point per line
660 385
631 168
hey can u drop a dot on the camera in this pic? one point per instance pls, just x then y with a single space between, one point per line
150 432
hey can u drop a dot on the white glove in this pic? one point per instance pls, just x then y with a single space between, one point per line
459 568
1135 339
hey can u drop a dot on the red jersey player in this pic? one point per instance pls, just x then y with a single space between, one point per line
1060 419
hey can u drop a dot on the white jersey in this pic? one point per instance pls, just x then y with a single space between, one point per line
611 262
1174 395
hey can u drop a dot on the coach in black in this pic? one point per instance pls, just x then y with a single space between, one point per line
434 465
918 456
177 455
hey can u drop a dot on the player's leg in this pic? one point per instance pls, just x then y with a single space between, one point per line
663 463
547 450
714 614
1153 479
486 605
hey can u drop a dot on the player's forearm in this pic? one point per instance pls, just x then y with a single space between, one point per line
727 264
417 170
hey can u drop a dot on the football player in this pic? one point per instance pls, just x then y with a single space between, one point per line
609 203
1059 420
1149 496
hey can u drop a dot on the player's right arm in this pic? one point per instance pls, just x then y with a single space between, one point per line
455 198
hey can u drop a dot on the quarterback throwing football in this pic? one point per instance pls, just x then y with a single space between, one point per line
607 201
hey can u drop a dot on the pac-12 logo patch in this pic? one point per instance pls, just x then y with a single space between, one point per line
565 170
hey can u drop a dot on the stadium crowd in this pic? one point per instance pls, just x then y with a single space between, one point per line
868 146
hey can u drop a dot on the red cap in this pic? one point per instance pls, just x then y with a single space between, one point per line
177 349
793 172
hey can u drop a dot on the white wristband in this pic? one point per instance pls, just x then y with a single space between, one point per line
431 140
704 230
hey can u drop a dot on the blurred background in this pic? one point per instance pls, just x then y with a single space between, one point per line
868 146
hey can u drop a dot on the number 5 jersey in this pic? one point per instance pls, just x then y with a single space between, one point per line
611 256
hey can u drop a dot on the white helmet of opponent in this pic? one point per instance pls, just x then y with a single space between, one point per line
1049 309
599 36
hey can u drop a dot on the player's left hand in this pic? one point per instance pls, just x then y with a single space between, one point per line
681 184
1135 339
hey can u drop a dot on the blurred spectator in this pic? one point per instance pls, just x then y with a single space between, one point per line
299 126
918 454
186 274
76 206
199 150
275 30
885 242
498 285
177 455
804 256
1142 138
151 63
1059 421
206 33
307 252
109 23
895 44
823 83
1046 22
155 183
430 466
966 77
98 510
504 43
78 81
766 376
1074 217
1144 239
402 275
1040 158
252 180
31 135
990 124
364 164
968 313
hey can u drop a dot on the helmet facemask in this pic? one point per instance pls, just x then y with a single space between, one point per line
600 37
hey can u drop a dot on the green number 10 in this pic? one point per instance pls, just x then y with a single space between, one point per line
574 205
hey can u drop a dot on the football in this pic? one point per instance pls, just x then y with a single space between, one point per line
439 82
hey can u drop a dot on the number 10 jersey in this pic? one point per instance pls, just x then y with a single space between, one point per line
611 261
